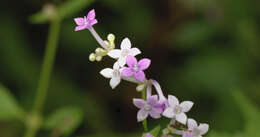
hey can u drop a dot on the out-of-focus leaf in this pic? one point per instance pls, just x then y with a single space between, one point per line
155 132
67 9
251 114
64 121
220 134
9 108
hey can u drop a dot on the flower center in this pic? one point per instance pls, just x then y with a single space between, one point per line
135 68
116 73
196 132
85 20
177 109
147 107
124 52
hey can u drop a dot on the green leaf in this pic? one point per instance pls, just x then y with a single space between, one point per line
9 108
67 9
250 112
155 132
64 121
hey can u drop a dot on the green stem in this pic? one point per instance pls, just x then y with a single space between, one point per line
43 85
144 121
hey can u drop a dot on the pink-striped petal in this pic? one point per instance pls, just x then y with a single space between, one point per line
139 103
79 21
91 15
80 28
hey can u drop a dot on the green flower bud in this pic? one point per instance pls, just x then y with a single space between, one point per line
111 37
99 58
92 57
140 88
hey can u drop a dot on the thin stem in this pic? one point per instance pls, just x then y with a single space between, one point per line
98 38
144 121
33 123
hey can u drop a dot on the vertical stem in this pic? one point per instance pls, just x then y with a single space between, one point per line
34 119
144 121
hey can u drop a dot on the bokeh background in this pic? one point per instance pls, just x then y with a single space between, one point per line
204 51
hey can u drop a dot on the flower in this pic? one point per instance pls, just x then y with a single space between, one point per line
124 52
176 110
149 107
197 131
136 68
187 134
148 135
86 22
114 74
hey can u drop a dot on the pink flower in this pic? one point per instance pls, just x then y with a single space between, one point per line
136 68
149 107
187 134
86 22
148 135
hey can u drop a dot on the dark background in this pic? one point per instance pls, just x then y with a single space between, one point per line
203 51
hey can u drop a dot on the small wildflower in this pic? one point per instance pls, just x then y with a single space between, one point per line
147 135
149 107
125 51
195 130
136 68
114 74
86 22
176 110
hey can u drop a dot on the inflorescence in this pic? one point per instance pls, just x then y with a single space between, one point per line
128 68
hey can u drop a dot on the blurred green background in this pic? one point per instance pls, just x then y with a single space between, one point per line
203 51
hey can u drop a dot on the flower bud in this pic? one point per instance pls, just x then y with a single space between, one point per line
98 50
140 88
92 57
98 58
111 37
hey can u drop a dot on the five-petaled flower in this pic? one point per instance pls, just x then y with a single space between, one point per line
195 130
125 51
176 110
149 107
135 68
86 22
114 74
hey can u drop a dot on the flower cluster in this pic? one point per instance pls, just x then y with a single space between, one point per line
127 67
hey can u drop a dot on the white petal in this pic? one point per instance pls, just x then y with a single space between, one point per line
116 66
126 44
203 128
173 101
186 106
107 72
182 118
192 123
122 61
134 51
114 82
142 115
168 112
116 53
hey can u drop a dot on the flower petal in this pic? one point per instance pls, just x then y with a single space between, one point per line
142 115
107 72
79 21
140 76
182 118
116 66
203 128
152 100
187 134
134 51
92 22
80 27
91 15
127 72
144 64
155 113
192 124
125 44
173 101
122 61
139 103
148 135
131 61
116 53
168 112
186 106
114 82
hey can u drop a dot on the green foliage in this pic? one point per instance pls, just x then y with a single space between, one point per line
9 108
67 9
64 121
155 132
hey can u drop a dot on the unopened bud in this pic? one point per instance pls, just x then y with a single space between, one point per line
98 58
111 37
98 50
140 88
92 57
106 42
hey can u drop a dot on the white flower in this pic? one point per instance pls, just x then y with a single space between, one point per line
114 74
176 110
197 131
124 52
